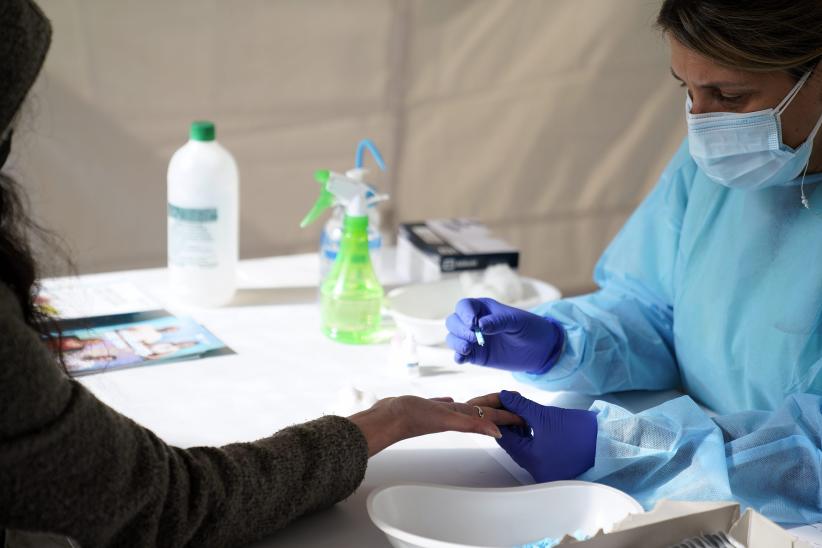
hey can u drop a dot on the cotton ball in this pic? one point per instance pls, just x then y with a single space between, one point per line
481 289
474 287
467 281
504 282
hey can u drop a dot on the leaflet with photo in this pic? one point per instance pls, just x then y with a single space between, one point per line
105 343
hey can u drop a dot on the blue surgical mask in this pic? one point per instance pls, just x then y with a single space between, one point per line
745 150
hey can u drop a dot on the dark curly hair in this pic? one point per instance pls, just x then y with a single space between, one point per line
25 36
18 267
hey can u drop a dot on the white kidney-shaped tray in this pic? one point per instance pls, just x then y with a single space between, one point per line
421 309
436 516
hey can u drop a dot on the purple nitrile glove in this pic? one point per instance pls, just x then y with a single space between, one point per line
563 444
515 340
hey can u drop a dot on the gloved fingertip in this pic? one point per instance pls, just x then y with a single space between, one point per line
466 310
459 358
511 440
458 329
458 345
522 406
489 325
504 440
509 398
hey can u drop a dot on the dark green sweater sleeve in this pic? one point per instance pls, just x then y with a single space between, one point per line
73 466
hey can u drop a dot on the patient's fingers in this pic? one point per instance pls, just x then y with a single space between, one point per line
502 417
488 400
463 423
443 399
497 416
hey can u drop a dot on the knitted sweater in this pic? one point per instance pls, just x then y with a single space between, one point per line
72 466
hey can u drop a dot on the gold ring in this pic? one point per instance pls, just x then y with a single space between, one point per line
480 412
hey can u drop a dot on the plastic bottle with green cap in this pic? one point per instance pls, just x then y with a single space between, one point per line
203 218
350 295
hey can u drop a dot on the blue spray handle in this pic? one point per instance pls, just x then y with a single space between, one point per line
375 152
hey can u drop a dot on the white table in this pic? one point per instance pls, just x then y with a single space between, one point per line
285 371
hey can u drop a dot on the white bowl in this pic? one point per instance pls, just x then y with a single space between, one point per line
435 516
421 309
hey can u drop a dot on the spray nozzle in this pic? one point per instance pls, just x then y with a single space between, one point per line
368 144
372 197
342 189
349 189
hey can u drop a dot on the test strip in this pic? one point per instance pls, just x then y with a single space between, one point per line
480 338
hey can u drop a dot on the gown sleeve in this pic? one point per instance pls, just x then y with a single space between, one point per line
768 460
621 336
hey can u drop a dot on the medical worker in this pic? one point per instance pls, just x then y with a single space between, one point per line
713 287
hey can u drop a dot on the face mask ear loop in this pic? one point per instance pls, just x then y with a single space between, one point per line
780 108
805 202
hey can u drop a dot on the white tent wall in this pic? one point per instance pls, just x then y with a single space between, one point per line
547 119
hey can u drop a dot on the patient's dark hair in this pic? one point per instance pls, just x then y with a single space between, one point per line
18 267
754 35
25 36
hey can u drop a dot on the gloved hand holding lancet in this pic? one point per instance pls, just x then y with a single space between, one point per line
511 338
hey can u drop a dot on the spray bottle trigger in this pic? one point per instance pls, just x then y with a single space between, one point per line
325 200
322 175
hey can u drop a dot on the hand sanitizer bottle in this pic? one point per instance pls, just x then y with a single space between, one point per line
203 216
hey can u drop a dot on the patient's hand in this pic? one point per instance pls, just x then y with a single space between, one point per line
394 419
556 444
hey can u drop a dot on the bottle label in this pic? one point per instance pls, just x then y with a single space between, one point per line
192 238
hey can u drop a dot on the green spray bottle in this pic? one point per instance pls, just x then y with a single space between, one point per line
350 295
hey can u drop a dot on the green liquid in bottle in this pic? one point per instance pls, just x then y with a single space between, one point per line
351 296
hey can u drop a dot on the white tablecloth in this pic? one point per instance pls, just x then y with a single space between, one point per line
285 371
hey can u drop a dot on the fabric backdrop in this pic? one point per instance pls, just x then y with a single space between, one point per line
547 119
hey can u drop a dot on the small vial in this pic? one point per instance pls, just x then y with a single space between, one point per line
480 337
412 360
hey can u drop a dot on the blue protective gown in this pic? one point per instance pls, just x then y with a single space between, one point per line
717 292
